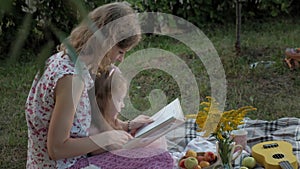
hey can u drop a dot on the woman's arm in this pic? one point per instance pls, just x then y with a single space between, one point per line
59 143
67 94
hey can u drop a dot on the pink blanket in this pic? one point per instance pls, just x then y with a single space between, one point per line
142 158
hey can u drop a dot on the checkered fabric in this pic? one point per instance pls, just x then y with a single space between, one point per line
190 130
287 129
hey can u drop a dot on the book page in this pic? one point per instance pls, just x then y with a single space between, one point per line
169 114
167 119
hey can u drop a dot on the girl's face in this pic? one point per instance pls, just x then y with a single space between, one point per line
116 104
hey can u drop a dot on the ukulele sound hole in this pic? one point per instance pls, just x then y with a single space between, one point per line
278 156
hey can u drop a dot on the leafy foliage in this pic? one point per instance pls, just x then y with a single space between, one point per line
273 90
11 16
64 15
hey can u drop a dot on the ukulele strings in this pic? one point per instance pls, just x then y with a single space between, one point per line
275 151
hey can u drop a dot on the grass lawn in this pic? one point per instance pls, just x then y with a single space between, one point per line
273 90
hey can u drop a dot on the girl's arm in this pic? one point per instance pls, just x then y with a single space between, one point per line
124 124
67 94
136 123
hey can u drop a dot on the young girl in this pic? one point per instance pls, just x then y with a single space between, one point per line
58 111
110 90
106 107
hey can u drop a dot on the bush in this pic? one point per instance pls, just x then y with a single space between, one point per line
11 16
25 37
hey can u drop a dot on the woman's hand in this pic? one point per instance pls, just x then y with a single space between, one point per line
111 140
138 122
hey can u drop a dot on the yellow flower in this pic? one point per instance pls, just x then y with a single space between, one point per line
230 120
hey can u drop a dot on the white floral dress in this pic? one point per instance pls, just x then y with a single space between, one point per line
40 104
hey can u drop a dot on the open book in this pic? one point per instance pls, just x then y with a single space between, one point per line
167 119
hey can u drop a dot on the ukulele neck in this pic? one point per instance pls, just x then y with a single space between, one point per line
285 165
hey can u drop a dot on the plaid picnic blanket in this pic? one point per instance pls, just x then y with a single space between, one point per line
287 129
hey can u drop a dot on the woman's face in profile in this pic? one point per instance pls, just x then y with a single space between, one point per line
117 54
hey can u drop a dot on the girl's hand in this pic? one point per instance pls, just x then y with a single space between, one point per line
111 140
138 122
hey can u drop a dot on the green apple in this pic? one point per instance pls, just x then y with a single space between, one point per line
243 167
190 162
249 162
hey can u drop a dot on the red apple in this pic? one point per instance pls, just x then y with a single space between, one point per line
209 156
200 158
181 163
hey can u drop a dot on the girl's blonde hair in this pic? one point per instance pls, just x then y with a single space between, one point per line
106 84
102 19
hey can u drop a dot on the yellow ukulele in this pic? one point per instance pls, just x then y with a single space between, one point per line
275 155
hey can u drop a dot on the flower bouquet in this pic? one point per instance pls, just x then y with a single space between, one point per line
227 122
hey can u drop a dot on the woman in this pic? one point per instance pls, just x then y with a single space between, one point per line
58 110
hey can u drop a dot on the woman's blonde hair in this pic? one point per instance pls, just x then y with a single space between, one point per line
102 19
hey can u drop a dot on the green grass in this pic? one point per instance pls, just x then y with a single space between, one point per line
15 84
274 91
